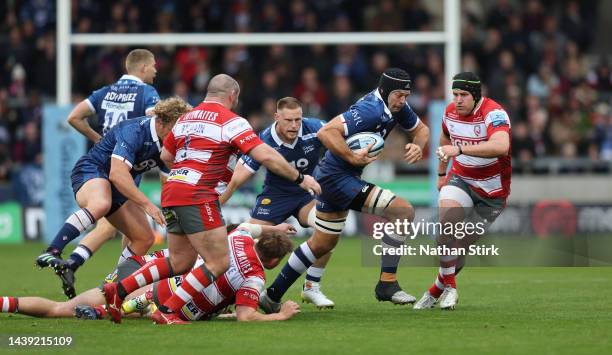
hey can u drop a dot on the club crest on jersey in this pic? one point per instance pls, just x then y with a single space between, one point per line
477 130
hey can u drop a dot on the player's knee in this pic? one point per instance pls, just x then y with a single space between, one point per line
384 203
180 264
398 208
322 243
218 265
100 207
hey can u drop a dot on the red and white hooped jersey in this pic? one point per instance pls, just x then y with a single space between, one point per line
241 284
204 143
489 177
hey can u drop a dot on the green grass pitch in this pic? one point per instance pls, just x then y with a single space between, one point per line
501 310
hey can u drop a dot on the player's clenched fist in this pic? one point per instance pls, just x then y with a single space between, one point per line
361 157
311 185
413 153
289 309
446 152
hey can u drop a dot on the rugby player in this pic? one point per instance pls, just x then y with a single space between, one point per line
104 182
476 136
295 138
240 285
130 97
343 189
199 150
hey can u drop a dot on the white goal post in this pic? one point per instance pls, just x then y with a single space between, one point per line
450 37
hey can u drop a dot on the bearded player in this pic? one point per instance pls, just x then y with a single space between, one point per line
295 138
476 136
339 174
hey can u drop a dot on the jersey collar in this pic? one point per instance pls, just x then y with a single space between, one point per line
377 94
130 77
280 142
154 132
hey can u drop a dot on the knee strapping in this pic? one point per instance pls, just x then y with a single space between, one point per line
381 199
331 226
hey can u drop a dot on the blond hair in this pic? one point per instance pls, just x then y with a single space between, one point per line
289 103
138 57
169 110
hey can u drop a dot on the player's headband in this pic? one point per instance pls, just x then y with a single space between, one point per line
393 79
469 82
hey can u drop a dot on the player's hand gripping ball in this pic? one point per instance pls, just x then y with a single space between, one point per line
363 140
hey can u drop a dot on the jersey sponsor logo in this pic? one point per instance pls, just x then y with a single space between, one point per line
120 97
308 148
266 201
357 119
117 106
497 118
209 212
248 138
185 175
235 127
263 211
198 115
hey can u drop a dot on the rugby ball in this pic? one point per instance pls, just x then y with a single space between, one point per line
363 139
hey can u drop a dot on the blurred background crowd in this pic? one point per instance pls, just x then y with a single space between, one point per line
535 57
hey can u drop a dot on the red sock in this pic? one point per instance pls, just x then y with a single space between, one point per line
447 269
8 304
150 272
192 284
438 286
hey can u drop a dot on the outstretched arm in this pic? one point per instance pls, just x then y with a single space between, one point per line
277 164
249 314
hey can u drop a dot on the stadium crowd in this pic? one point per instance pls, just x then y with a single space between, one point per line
533 56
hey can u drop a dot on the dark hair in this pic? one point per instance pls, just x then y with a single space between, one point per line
270 247
288 102
231 227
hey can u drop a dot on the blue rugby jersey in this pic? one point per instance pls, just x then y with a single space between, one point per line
303 154
369 114
134 141
128 98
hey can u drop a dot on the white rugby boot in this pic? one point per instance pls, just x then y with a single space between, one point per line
449 298
312 294
426 302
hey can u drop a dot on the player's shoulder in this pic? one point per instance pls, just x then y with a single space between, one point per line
450 108
489 105
266 135
150 89
372 103
135 126
101 91
311 124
